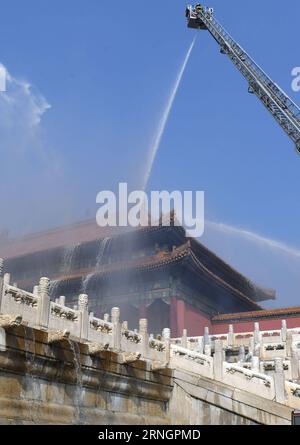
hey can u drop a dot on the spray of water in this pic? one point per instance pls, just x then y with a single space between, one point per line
254 237
164 119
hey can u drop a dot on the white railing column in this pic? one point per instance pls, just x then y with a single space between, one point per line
255 364
83 307
279 381
283 331
257 335
43 308
143 331
1 281
184 339
295 364
231 336
115 319
166 337
242 354
218 360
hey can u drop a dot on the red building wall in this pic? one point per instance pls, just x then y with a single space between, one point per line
248 326
184 316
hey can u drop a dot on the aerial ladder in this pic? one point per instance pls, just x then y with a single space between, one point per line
277 102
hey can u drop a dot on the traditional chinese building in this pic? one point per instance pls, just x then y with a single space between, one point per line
153 272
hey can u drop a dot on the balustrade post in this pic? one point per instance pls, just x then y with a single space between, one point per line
206 337
143 331
279 381
283 330
218 360
62 300
231 336
2 331
83 307
242 354
200 345
1 281
289 343
257 335
166 336
115 319
255 364
295 364
43 307
184 339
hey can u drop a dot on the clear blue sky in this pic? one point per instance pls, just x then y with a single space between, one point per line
106 69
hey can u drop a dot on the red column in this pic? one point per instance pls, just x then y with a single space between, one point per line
177 317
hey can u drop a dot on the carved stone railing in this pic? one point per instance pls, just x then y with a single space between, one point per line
203 356
249 380
182 358
292 394
280 341
36 310
21 297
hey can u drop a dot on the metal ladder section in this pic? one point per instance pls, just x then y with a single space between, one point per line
283 109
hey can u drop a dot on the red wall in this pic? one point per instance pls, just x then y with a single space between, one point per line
248 326
185 316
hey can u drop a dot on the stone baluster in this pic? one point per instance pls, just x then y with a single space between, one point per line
35 291
231 336
257 335
2 340
6 279
62 300
262 368
218 360
279 381
200 345
184 339
43 307
143 331
251 346
283 331
207 342
1 281
2 330
289 343
242 354
106 318
125 325
83 307
166 337
115 319
206 337
255 364
295 364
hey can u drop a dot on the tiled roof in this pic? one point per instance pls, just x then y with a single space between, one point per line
162 259
246 316
89 231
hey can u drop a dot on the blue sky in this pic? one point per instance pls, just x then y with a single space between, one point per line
100 74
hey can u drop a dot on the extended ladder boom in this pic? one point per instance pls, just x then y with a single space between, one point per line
279 104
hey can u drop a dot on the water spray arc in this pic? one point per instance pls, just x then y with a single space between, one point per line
165 116
254 238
